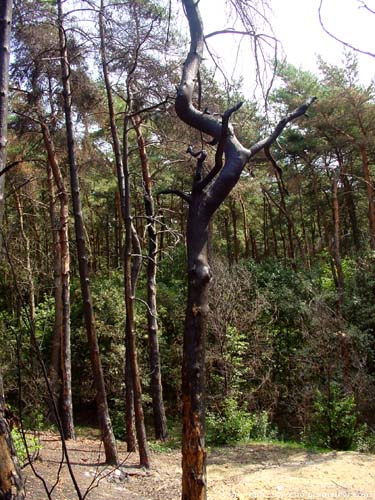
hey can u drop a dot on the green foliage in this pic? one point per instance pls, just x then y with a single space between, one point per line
230 426
334 421
234 424
31 447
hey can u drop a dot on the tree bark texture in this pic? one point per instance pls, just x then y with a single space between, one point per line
12 484
131 270
61 353
101 396
5 28
202 205
131 266
160 421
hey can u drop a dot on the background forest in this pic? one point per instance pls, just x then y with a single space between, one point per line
290 341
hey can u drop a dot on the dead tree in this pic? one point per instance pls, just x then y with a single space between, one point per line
207 193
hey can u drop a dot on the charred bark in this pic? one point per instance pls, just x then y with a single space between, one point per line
101 396
202 205
133 388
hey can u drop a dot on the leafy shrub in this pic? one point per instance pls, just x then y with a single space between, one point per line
261 427
230 426
32 444
234 424
334 422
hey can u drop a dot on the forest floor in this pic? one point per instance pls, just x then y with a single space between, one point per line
242 472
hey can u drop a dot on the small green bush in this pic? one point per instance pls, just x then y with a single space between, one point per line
233 425
230 426
334 423
32 443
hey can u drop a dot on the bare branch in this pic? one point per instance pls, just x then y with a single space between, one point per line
346 44
177 192
264 143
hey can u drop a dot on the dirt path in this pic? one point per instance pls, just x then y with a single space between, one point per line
245 472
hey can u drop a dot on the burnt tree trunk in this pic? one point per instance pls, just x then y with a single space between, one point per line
202 205
101 396
131 267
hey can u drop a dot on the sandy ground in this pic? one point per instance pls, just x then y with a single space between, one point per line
244 472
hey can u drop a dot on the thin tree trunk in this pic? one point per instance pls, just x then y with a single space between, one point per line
370 194
5 28
336 241
101 396
11 479
28 266
245 228
160 421
54 370
233 212
62 291
131 273
133 395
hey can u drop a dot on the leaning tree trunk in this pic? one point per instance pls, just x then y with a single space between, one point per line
88 310
202 205
160 421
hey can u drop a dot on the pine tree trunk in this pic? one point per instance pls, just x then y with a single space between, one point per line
61 352
101 396
5 28
54 369
11 479
160 421
336 241
131 275
370 194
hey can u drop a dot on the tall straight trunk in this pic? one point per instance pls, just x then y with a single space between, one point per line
5 28
29 269
101 396
54 369
11 478
336 241
61 345
160 421
233 213
349 202
370 194
133 395
131 274
245 228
